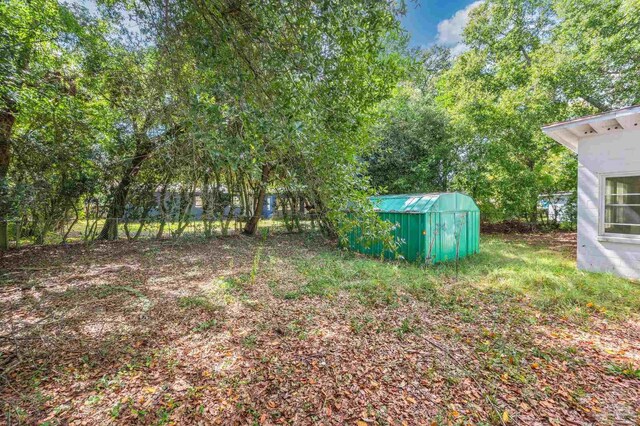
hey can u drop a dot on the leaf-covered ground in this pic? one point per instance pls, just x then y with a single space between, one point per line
292 331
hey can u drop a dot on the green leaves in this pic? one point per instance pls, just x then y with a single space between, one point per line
137 96
416 153
497 104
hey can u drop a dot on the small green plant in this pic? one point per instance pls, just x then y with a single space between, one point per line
249 341
206 325
407 327
626 369
359 325
256 265
537 352
172 363
196 302
139 413
163 416
16 413
103 383
235 283
297 328
93 400
291 295
114 412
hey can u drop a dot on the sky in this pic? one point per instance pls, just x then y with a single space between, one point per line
427 21
437 22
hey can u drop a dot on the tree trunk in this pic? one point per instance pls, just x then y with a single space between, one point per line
162 206
75 220
326 227
185 204
7 119
252 225
116 210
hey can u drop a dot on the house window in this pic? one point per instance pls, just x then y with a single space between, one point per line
622 205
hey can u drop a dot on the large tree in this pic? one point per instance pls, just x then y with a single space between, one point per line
497 106
592 56
42 110
304 78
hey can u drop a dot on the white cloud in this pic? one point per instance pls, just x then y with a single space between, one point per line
450 30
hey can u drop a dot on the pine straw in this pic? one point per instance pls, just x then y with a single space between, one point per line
227 332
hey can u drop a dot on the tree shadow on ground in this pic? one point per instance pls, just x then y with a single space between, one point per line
244 330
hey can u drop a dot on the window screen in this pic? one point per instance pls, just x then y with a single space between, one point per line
622 205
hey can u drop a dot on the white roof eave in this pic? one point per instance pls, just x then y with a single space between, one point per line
569 133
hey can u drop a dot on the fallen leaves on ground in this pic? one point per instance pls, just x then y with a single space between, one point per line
194 332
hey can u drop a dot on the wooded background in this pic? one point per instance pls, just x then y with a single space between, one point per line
102 109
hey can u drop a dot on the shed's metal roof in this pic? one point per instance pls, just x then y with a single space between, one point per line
423 203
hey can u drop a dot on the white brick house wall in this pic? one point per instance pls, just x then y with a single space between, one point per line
616 152
608 145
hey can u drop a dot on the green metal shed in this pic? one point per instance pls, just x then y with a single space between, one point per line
427 227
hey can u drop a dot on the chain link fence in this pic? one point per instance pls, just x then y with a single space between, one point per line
28 232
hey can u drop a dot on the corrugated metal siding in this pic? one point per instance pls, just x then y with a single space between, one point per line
425 227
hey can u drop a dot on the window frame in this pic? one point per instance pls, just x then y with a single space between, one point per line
602 183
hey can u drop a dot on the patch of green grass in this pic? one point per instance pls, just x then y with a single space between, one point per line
256 265
372 282
5 279
17 414
298 329
627 370
250 341
196 302
358 325
93 400
140 414
503 272
206 325
407 326
164 416
283 292
549 280
236 283
291 295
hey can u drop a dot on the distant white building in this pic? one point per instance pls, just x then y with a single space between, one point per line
558 206
608 148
